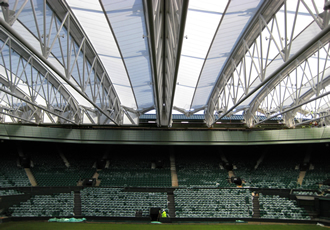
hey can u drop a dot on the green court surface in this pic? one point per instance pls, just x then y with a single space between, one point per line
114 226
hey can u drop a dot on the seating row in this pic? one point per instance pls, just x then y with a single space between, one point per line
56 205
116 203
276 207
215 203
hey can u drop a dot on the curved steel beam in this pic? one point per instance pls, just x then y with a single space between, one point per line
303 99
32 61
17 117
102 90
33 104
293 107
284 69
90 56
277 76
268 9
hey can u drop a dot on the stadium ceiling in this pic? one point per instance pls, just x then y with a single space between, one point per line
104 62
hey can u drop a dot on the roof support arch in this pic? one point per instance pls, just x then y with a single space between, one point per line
64 47
315 83
223 84
268 39
27 79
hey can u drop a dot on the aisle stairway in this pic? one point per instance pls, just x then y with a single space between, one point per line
174 175
31 177
66 162
171 204
259 161
256 207
302 173
301 177
96 176
77 203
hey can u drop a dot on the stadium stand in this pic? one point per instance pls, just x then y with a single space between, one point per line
243 164
277 170
276 207
11 175
56 205
317 173
10 192
114 202
214 203
136 170
50 169
305 193
196 170
131 184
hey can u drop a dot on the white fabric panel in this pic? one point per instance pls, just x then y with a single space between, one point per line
202 21
128 24
93 21
237 16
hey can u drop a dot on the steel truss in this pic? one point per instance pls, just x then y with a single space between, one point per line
165 24
304 90
64 46
29 90
258 82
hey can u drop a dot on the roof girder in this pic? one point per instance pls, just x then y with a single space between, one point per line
165 25
267 9
284 53
43 74
309 49
101 91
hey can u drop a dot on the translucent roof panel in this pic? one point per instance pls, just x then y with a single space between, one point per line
304 32
93 21
235 20
203 18
32 31
298 35
128 24
302 83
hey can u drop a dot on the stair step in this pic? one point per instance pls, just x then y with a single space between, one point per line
256 207
171 204
77 203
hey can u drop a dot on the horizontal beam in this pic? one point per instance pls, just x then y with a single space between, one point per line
92 135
